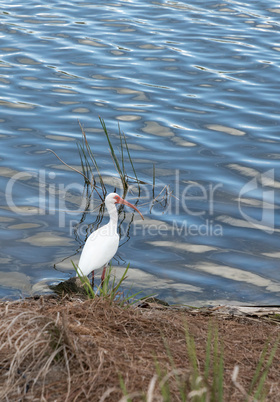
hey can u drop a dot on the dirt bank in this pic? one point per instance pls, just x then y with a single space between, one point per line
69 349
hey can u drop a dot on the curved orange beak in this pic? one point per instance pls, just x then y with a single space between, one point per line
120 200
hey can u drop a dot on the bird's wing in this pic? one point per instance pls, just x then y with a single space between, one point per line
98 251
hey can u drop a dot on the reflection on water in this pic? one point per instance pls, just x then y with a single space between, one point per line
235 274
194 88
47 239
192 248
226 130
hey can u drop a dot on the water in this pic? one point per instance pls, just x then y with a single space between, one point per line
195 88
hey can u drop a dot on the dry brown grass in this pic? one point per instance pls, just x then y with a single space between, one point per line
74 350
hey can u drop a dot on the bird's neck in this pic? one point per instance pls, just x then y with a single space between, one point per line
113 213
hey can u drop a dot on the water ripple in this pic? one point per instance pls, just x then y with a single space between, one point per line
194 87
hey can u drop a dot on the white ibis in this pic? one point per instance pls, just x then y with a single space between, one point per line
102 245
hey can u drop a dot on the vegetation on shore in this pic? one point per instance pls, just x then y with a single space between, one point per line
74 349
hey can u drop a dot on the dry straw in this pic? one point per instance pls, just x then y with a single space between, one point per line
70 349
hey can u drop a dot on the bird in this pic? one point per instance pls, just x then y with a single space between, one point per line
103 243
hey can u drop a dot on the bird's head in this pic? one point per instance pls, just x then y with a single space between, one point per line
114 198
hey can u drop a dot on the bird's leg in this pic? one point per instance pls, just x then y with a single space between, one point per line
103 275
92 279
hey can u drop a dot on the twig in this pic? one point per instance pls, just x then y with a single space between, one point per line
70 167
168 194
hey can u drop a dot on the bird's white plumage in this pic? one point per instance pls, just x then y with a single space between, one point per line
99 249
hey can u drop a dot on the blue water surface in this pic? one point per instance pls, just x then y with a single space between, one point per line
195 88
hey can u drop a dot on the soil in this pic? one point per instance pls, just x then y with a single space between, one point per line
71 349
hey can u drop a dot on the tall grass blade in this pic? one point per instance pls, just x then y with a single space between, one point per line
123 388
131 298
208 352
179 382
114 157
85 165
115 290
97 169
130 160
164 387
92 158
122 153
260 387
258 369
191 352
221 376
217 391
